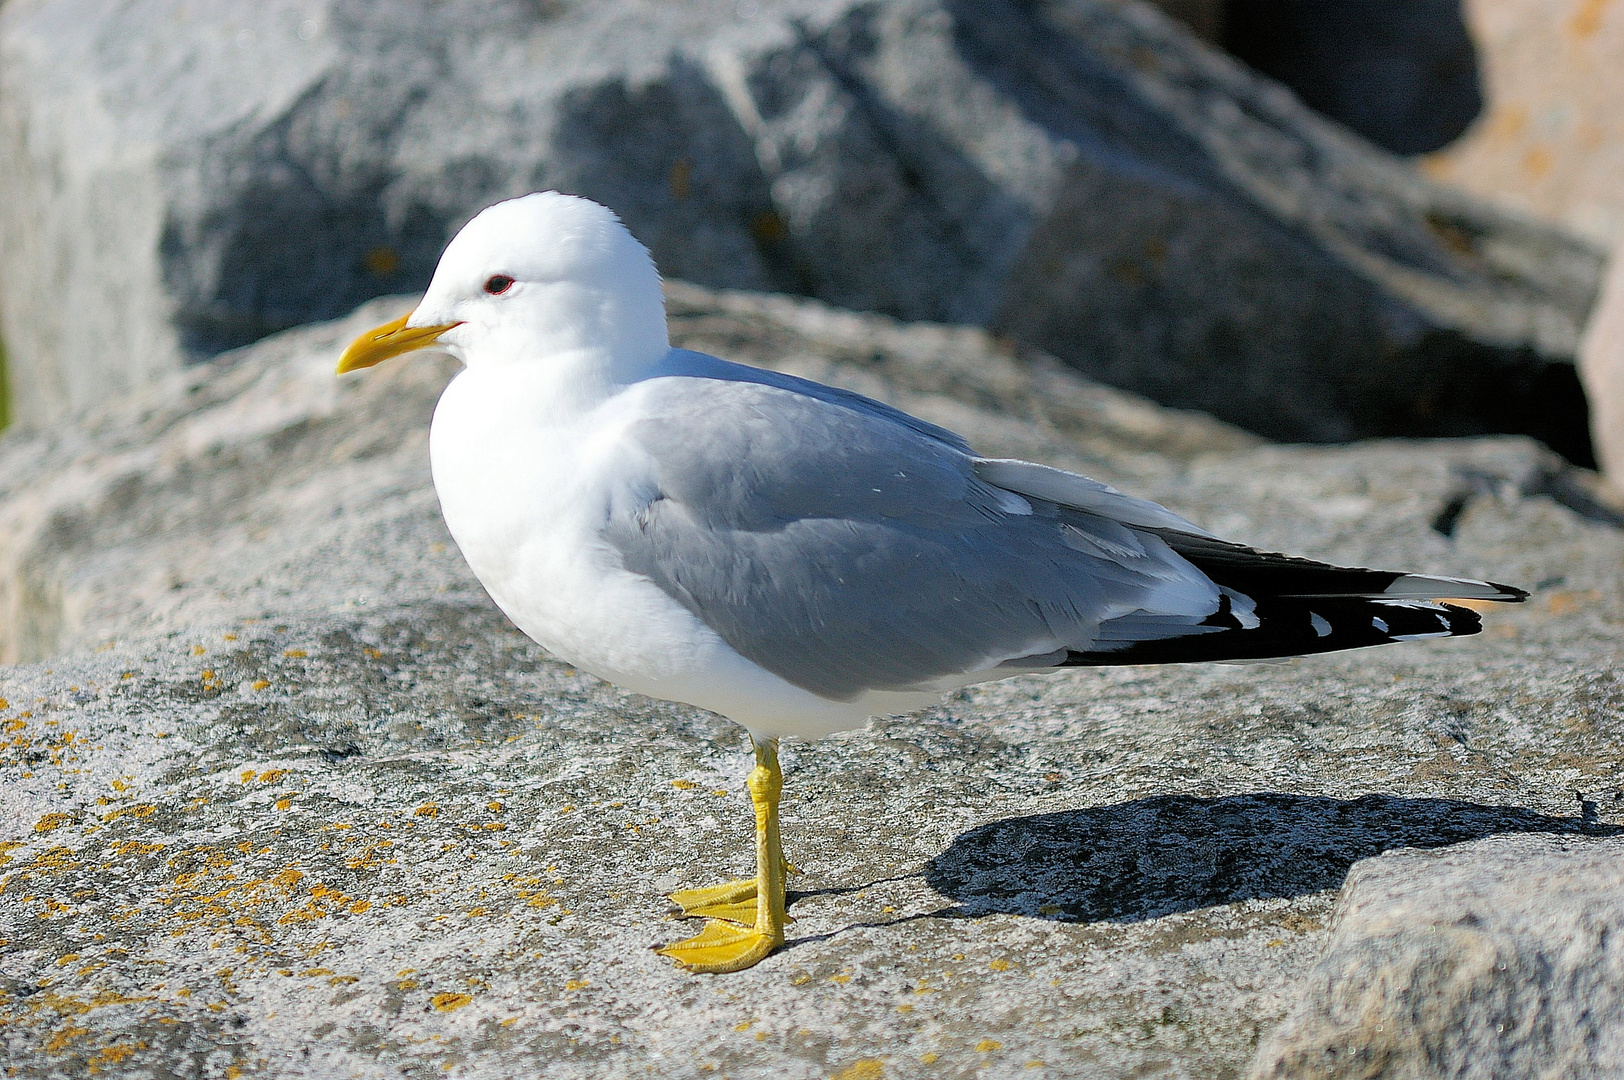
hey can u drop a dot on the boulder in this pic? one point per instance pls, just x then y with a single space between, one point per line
1493 959
1085 177
1547 142
1601 367
283 794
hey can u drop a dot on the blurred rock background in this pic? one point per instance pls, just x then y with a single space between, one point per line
1084 177
281 794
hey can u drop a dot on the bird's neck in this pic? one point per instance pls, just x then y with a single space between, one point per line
561 384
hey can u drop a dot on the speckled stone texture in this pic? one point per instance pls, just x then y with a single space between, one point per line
1491 959
255 826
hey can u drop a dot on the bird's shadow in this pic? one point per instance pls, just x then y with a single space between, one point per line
1167 854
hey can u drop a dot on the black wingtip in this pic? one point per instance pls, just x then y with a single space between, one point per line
1511 594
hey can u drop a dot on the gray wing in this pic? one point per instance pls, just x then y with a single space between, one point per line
846 550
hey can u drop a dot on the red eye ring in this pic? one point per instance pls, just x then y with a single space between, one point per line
497 284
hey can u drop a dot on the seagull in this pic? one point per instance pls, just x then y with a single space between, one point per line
796 557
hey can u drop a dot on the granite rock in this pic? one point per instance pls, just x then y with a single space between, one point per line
1493 959
1084 176
1547 143
253 826
1601 367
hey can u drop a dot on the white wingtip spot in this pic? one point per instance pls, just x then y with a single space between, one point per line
1011 503
1322 627
1379 624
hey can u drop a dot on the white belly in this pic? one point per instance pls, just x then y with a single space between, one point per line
526 498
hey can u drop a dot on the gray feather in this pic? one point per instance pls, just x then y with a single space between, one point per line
847 547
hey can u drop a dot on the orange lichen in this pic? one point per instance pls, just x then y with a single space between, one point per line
63 1037
52 822
448 1002
134 847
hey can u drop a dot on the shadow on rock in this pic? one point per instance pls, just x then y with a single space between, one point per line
1159 856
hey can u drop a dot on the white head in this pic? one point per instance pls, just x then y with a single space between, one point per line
544 279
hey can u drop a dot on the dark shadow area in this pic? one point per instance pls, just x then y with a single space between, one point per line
1403 75
1160 856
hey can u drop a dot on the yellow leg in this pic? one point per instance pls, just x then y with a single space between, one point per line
729 941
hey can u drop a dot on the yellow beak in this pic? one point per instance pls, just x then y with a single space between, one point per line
391 339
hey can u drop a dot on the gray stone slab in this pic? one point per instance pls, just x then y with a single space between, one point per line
252 823
1498 958
1083 176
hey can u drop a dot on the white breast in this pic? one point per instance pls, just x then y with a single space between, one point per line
526 492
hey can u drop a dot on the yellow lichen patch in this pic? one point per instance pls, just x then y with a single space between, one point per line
494 807
62 1038
13 725
295 654
52 822
6 847
863 1069
313 972
134 847
576 984
260 684
284 802
138 810
288 878
998 965
371 857
427 810
119 785
249 775
928 1059
67 959
449 1002
271 776
987 1046
684 785
360 907
198 650
112 1055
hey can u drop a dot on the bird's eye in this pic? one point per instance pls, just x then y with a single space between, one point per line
497 284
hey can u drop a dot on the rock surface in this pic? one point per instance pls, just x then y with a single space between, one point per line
1601 368
252 823
1550 141
1083 176
1499 958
